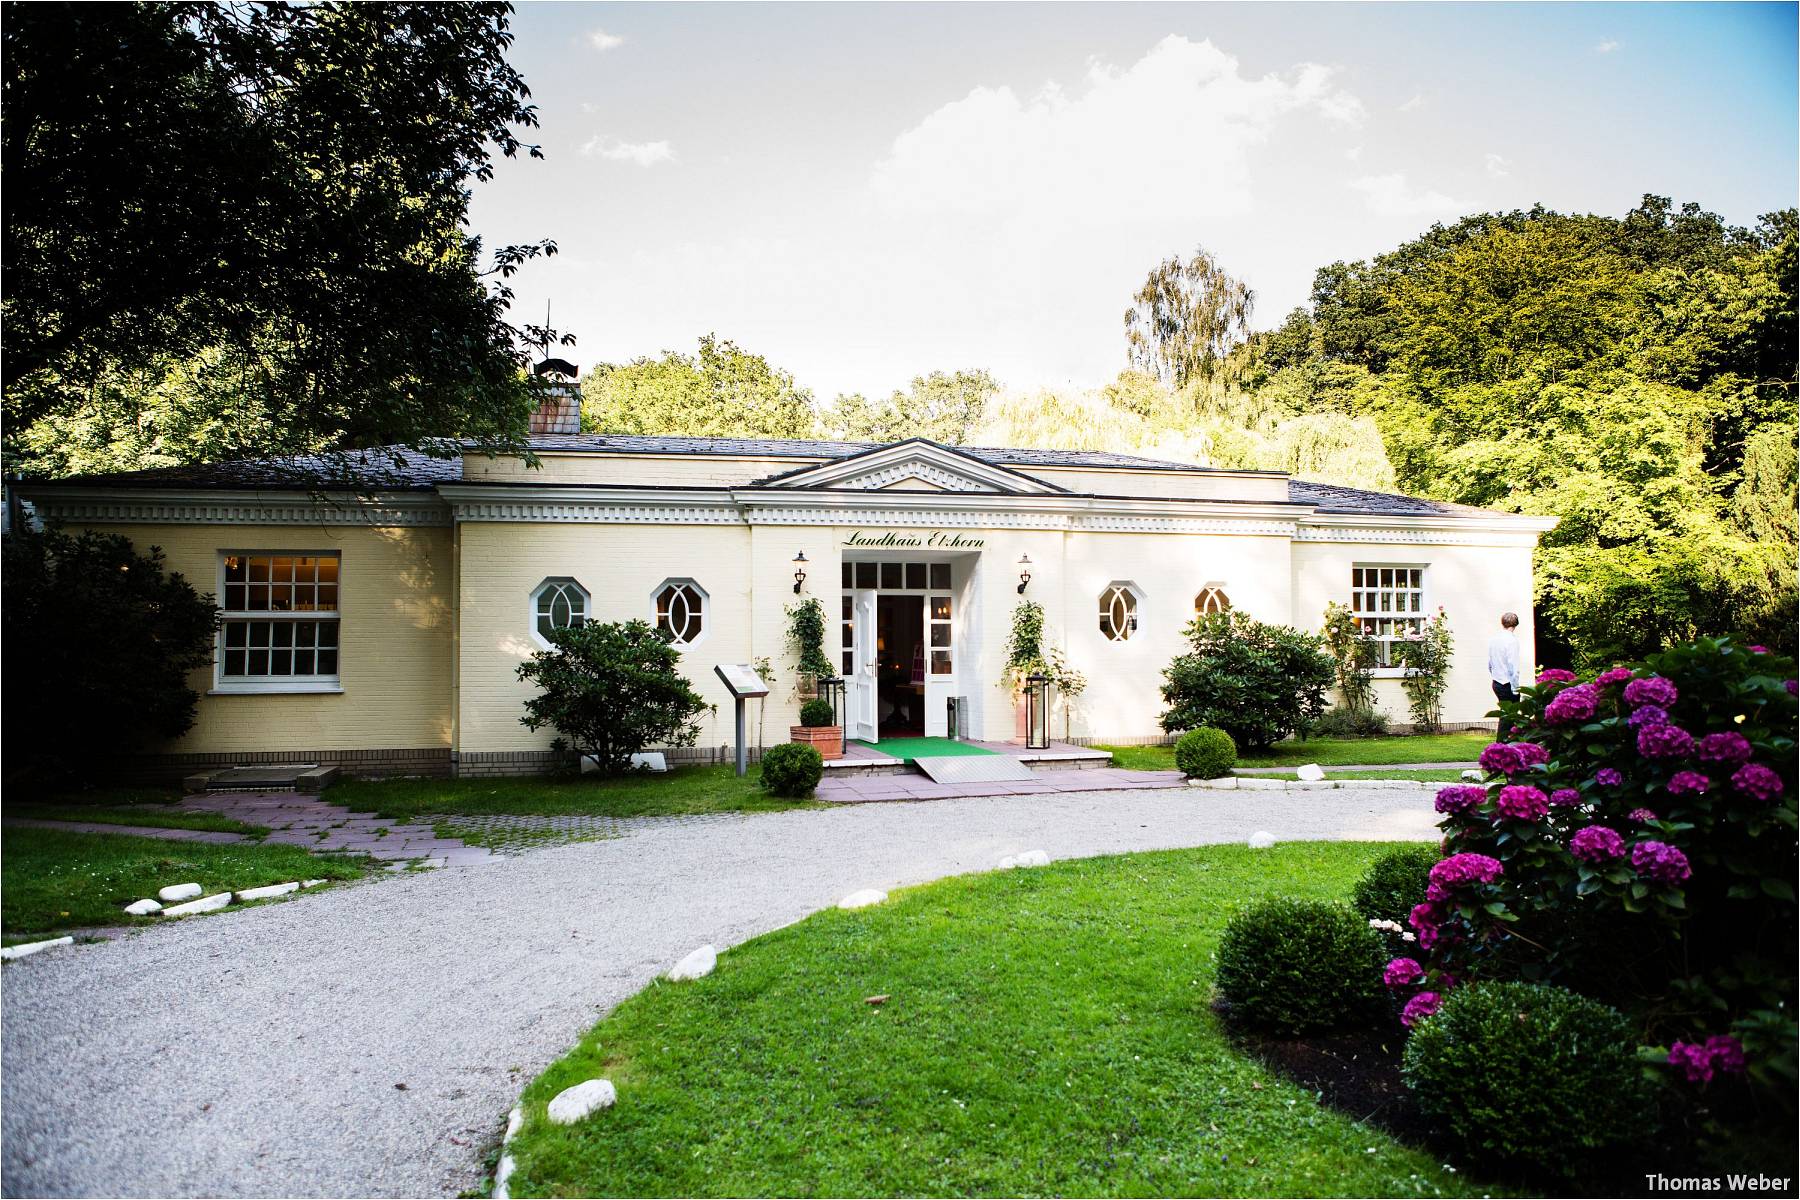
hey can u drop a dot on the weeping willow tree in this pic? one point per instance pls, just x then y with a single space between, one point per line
1184 322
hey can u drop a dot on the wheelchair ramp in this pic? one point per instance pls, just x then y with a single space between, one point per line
973 768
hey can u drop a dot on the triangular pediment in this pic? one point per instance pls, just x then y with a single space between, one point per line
916 465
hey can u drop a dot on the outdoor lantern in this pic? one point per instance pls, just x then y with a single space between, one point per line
1024 572
799 571
831 690
1037 716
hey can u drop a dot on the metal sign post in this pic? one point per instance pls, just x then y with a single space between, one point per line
742 681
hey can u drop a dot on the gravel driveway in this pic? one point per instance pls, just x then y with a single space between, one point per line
368 1040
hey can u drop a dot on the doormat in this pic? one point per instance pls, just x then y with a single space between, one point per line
907 749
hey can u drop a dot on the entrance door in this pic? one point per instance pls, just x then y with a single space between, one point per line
861 685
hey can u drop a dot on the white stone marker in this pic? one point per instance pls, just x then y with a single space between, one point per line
1034 858
143 908
25 948
502 1173
514 1120
212 903
268 893
1311 773
1473 776
862 899
572 1104
179 891
696 965
313 882
1262 839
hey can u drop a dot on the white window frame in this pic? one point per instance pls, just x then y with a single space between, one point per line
1135 619
550 581
706 614
1208 590
266 685
1367 614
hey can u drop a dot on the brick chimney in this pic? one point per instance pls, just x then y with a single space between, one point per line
560 411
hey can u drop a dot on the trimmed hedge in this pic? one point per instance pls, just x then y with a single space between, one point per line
816 714
1527 1073
791 770
1290 966
1395 882
1205 753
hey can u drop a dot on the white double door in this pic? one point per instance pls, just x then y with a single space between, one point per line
862 688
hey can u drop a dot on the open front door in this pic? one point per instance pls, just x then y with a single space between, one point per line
861 687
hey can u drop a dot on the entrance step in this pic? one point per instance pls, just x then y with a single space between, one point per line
292 777
973 768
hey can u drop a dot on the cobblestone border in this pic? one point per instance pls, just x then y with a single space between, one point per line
1244 784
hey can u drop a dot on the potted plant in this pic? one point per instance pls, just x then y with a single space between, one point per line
806 636
816 729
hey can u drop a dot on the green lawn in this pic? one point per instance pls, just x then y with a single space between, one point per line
1425 748
152 816
52 880
1046 1032
681 791
1450 776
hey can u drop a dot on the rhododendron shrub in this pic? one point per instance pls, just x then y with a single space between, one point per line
1635 841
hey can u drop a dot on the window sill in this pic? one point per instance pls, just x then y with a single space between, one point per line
1388 673
277 689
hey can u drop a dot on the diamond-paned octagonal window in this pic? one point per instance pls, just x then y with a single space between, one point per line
681 611
557 604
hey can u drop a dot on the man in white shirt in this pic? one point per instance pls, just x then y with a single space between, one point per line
1503 663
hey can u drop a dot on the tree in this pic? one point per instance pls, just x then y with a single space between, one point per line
1257 682
270 196
943 406
611 690
723 392
99 645
1186 318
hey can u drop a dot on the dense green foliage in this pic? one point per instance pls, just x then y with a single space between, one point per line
1293 966
791 770
1425 659
99 644
1529 1075
1205 753
943 406
612 689
1045 1033
241 229
721 392
1257 682
1394 883
1354 656
817 714
806 638
1342 722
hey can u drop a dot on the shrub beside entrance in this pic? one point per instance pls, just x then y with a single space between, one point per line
1205 753
1257 682
792 770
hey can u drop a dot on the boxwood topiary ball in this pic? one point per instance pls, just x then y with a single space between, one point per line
816 714
1529 1074
1205 753
1300 966
1394 883
791 770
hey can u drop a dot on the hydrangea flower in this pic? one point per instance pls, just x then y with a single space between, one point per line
1597 844
1572 704
1501 759
1652 689
1555 675
1757 782
1649 715
1699 1060
1608 777
1402 972
1616 675
1759 649
1531 754
1792 686
1420 1007
1688 782
1460 869
1565 797
1459 797
1642 816
1522 802
1660 861
1664 741
1727 747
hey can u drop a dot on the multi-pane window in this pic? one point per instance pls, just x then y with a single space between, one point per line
681 611
897 576
1389 604
557 604
1119 612
848 621
1212 599
938 614
280 618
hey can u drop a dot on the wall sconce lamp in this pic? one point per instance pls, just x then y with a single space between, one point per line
1024 572
799 571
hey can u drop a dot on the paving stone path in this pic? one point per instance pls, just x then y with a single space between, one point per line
858 789
300 819
215 837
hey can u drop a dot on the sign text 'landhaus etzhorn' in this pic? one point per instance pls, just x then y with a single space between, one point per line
937 540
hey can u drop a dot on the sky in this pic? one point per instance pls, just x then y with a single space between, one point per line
868 192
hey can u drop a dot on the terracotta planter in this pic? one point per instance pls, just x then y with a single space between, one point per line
828 740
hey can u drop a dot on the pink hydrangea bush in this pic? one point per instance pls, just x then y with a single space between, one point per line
1635 841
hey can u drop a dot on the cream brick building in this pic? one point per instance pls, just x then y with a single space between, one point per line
380 622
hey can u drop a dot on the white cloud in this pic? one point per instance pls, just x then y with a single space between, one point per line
1415 103
1391 196
1497 166
1353 153
1606 47
601 40
1172 132
644 154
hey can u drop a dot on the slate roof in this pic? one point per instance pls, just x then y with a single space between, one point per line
396 468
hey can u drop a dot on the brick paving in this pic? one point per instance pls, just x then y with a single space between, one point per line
868 788
299 819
